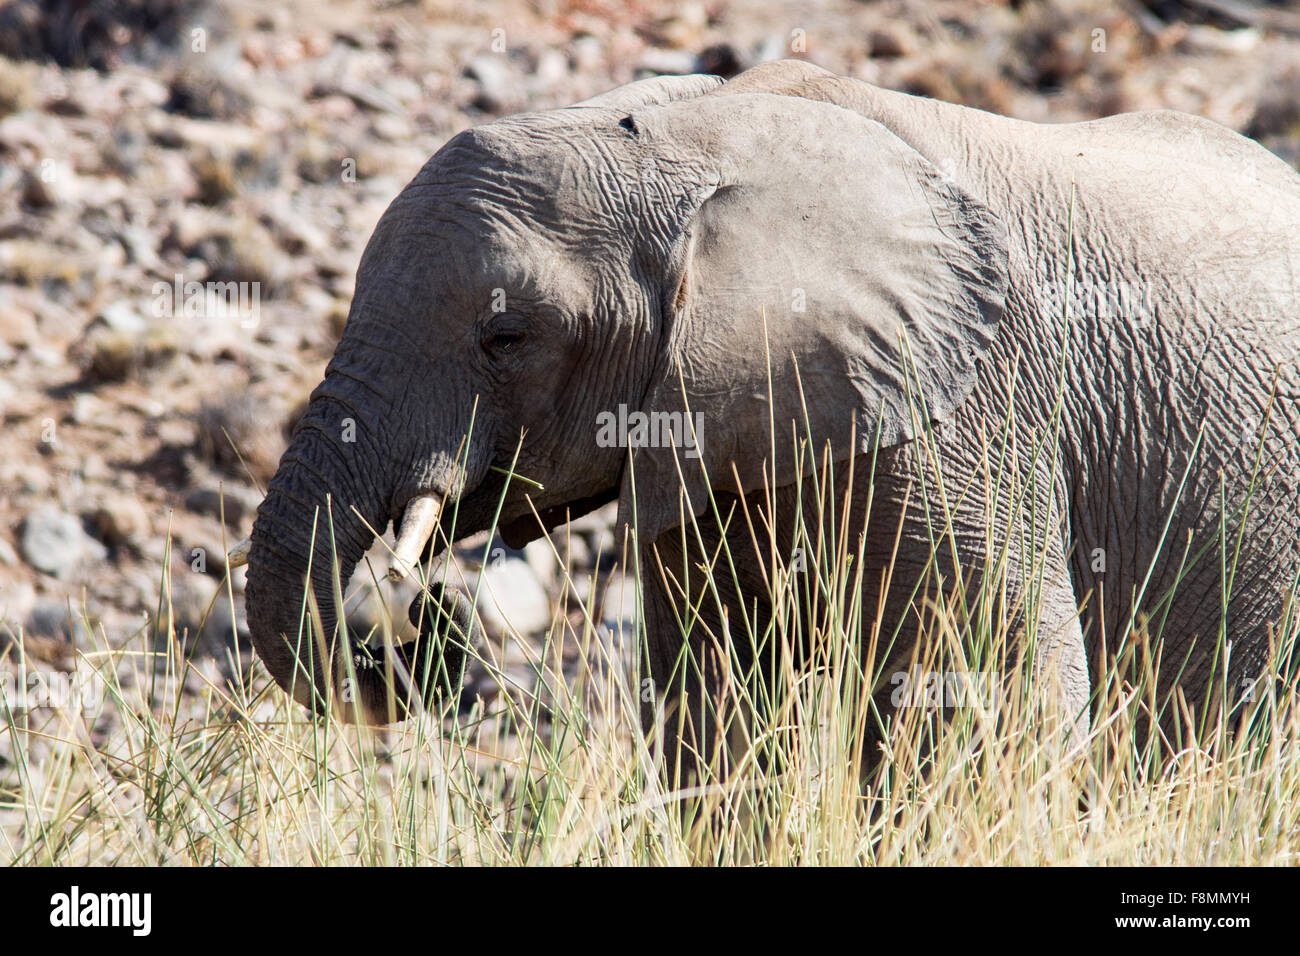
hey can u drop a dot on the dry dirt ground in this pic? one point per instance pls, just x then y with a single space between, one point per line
228 140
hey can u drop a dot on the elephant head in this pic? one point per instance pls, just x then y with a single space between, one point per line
657 250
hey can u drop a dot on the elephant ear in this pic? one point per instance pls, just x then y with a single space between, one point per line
812 242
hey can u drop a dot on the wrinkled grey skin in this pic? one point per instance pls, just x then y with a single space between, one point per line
643 240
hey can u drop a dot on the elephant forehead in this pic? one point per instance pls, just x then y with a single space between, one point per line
578 182
529 164
463 267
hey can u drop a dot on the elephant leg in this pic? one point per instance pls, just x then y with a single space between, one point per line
708 651
945 517
1060 658
714 655
1186 585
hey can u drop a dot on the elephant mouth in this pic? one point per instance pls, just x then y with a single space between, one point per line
530 527
428 521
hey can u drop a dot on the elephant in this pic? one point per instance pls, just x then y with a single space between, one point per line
1108 307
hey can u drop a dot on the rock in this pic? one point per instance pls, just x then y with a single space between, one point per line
318 159
121 520
1276 120
240 431
48 618
604 546
1205 39
235 248
208 94
890 42
189 597
510 598
682 28
8 556
62 620
498 86
18 326
721 59
94 468
123 317
127 147
239 503
583 584
55 543
35 192
667 62
618 609
294 229
539 557
394 129
574 549
112 356
16 88
17 598
775 46
552 68
223 174
225 629
588 54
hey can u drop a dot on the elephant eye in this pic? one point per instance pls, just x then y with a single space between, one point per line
503 342
503 336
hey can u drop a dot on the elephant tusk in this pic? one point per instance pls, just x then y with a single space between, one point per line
238 555
418 522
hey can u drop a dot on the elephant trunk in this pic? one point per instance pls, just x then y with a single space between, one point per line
327 482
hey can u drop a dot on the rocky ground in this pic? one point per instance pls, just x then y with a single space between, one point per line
236 141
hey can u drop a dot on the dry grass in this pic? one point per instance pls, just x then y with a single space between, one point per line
561 774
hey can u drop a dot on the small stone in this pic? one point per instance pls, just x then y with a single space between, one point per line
18 325
394 129
208 94
721 59
238 503
17 92
123 317
888 44
36 192
667 62
58 618
618 610
94 468
55 543
604 545
573 548
226 628
48 618
552 67
17 598
539 557
189 597
121 520
240 431
112 356
511 598
774 47
583 583
498 86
